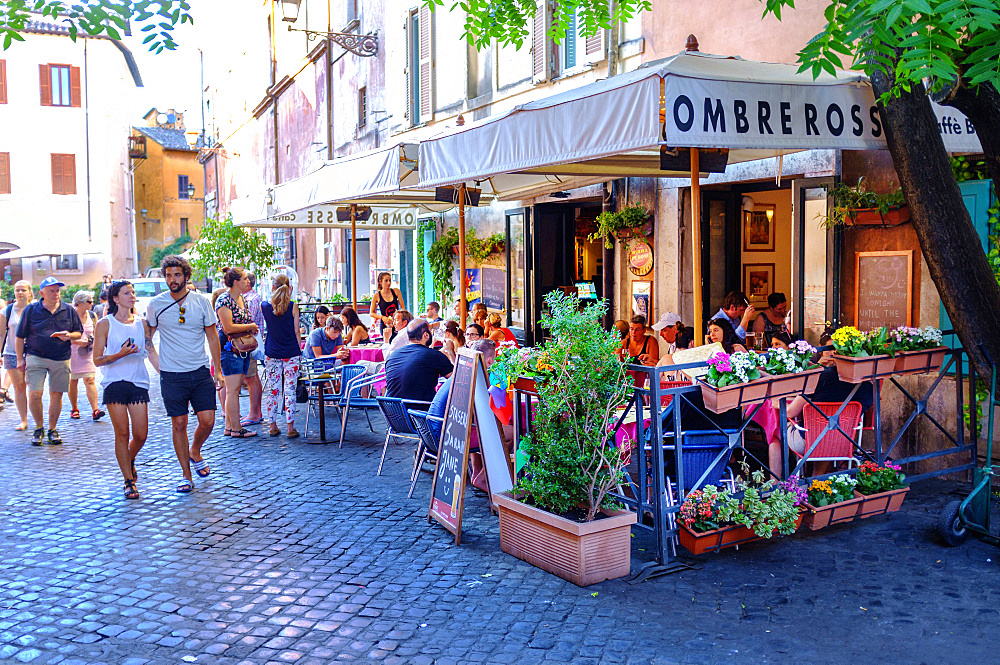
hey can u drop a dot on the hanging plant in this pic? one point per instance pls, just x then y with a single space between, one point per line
856 204
439 257
626 223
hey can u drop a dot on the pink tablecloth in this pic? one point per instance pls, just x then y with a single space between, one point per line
767 418
372 353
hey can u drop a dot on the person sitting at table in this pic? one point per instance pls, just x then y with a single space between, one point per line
622 327
736 309
638 347
473 332
400 320
324 342
479 316
721 330
666 326
771 321
355 331
412 372
685 336
454 339
433 315
778 343
497 332
319 318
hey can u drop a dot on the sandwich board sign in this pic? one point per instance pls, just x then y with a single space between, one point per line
468 406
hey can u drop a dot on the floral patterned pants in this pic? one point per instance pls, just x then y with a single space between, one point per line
281 376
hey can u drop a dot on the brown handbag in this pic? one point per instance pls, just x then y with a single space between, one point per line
243 343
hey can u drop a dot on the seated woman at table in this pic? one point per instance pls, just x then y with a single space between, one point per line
639 348
319 318
326 341
721 330
454 339
355 331
771 321
497 333
778 343
621 327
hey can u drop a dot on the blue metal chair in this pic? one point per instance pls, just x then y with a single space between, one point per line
356 393
398 422
318 373
428 447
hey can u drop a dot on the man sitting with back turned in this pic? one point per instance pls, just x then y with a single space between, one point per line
412 372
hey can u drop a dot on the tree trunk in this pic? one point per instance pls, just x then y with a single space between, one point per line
947 237
982 108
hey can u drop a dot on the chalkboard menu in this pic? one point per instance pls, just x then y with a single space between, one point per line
494 287
883 289
448 491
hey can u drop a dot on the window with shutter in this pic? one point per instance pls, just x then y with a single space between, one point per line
74 86
182 187
541 45
3 81
595 48
63 174
45 85
426 29
413 68
60 85
4 173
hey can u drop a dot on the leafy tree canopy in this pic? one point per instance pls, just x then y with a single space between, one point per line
508 21
221 244
157 19
913 42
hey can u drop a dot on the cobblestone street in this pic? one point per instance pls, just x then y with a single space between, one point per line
292 552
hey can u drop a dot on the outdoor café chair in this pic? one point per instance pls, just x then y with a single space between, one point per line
356 393
397 421
835 446
317 373
427 449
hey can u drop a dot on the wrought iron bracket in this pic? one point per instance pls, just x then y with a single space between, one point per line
365 46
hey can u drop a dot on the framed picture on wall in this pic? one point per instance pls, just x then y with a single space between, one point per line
642 294
758 282
758 228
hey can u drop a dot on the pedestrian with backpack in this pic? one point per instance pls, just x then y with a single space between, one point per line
10 317
81 362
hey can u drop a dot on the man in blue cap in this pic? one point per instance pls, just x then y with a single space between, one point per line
43 349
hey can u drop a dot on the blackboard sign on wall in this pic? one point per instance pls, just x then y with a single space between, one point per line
883 289
494 286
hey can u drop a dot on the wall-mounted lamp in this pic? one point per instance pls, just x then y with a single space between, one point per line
290 10
190 190
143 213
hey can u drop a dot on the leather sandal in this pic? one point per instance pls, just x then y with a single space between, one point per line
242 433
75 414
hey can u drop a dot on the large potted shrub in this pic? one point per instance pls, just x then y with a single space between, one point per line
559 516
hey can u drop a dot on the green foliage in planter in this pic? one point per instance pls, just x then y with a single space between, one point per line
609 223
424 226
573 457
849 198
439 257
339 299
480 250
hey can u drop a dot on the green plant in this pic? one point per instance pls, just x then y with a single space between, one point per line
729 369
439 256
873 478
765 507
339 299
221 243
176 247
849 341
796 358
832 490
609 223
848 199
982 396
422 227
965 168
573 459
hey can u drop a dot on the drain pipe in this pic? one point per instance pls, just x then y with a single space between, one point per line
86 133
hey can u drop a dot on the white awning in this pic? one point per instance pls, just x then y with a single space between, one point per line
617 126
36 252
384 179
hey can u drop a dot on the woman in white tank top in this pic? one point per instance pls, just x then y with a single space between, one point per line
121 349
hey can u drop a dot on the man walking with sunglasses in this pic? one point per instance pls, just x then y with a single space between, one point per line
186 321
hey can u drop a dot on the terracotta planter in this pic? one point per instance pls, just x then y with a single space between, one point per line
920 362
791 385
859 370
581 553
879 504
720 400
836 513
872 216
717 539
525 384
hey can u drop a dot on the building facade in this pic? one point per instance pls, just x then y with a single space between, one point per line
168 181
65 190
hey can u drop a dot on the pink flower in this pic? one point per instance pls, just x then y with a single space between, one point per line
720 361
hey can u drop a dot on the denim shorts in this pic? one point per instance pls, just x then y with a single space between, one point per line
233 363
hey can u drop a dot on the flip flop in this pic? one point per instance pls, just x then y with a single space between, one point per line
250 421
21 427
201 467
185 486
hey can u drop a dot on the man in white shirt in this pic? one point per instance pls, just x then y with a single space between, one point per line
185 320
666 327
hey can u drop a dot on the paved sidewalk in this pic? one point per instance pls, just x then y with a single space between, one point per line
292 552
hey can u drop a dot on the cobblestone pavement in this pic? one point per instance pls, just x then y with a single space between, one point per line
293 552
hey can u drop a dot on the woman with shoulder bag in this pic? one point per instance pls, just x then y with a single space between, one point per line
282 355
236 337
81 362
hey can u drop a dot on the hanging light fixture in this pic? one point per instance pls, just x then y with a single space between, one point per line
290 10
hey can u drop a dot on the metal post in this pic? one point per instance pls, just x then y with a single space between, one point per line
354 257
696 244
463 304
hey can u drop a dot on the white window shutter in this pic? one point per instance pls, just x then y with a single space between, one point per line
541 45
596 46
426 64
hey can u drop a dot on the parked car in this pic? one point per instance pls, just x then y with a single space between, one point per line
145 289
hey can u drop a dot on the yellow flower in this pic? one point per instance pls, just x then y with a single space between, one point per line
845 335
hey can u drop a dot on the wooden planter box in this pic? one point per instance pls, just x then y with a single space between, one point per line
882 503
717 539
836 513
872 216
525 384
920 362
791 385
581 553
720 400
859 370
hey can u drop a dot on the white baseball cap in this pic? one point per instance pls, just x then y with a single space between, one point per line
667 319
